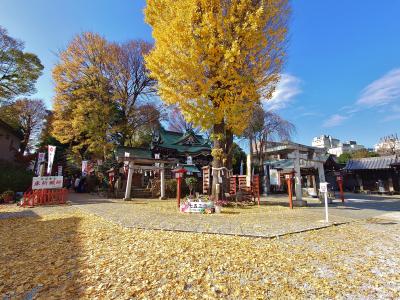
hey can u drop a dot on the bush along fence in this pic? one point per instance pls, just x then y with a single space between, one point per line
44 197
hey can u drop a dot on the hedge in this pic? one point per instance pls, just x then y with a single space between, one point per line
14 177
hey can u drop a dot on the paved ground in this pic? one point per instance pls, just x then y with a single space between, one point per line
272 218
356 206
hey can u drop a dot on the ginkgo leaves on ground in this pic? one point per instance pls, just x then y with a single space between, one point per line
77 255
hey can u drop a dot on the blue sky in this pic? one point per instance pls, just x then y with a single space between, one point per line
342 76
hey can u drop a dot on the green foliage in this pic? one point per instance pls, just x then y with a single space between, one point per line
108 164
191 181
7 193
238 155
14 177
344 158
171 187
18 70
27 116
362 153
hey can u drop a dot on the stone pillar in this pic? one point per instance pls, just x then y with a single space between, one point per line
297 180
360 183
390 182
265 181
314 184
129 182
321 172
162 184
248 170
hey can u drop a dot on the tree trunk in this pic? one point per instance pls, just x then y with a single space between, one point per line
218 156
228 148
251 140
25 141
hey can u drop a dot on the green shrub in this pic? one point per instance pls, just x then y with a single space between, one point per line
170 188
14 177
191 182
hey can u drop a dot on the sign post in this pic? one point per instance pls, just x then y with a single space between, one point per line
339 180
323 188
288 178
178 175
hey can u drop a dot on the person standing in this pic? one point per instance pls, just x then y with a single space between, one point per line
76 183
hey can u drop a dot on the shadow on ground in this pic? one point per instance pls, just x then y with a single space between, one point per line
39 255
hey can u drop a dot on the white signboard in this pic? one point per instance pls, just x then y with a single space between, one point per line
274 177
48 182
189 160
323 187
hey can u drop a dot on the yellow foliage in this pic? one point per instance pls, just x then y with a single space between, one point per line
217 59
82 103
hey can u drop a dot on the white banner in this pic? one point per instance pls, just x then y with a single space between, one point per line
126 163
48 182
84 167
274 178
59 171
52 151
41 157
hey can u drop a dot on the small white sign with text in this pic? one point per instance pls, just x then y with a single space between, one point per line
47 182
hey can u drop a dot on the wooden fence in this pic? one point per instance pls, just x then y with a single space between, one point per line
44 197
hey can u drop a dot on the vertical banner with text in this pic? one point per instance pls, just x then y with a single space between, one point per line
41 157
84 167
50 160
59 171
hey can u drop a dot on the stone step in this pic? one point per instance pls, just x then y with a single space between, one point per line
141 194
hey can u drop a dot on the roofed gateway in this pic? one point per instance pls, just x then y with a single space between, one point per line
168 149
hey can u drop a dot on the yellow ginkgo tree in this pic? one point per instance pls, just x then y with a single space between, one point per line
216 59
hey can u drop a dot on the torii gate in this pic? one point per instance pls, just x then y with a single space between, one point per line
145 164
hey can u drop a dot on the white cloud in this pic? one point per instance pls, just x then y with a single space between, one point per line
335 120
383 91
287 89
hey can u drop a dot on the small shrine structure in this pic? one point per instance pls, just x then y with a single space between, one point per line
373 174
305 162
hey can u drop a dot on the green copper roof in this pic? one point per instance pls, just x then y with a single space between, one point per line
191 168
133 152
188 142
283 164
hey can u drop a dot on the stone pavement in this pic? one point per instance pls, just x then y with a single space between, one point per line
265 221
272 218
